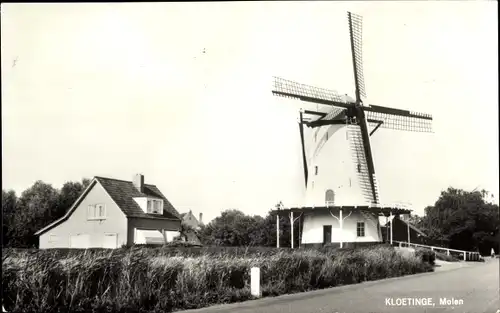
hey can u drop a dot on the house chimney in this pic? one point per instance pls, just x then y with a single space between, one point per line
139 182
200 220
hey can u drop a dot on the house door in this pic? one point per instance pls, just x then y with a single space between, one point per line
110 241
80 241
327 234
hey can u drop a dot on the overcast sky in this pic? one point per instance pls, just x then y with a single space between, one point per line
115 89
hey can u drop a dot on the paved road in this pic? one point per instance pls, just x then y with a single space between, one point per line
477 284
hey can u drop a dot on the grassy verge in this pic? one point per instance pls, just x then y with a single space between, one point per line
165 279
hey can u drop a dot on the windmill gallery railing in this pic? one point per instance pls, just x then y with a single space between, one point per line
467 255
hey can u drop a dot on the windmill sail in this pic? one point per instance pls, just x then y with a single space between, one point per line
358 157
304 155
399 119
290 89
356 34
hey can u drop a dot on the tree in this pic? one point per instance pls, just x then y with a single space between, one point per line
465 219
234 228
37 207
9 204
267 231
68 195
231 228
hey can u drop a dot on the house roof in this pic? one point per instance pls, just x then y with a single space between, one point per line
123 193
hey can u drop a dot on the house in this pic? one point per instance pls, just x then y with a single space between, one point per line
111 213
189 219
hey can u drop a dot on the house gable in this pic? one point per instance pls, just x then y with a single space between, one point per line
94 214
189 219
71 209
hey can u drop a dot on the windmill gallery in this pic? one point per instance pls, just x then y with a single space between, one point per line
342 203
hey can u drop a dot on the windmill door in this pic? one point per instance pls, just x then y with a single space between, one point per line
327 234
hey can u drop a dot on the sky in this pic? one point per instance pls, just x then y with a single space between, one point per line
181 92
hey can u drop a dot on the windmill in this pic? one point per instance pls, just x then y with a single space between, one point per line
341 118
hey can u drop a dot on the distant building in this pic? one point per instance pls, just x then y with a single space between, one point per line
191 235
189 219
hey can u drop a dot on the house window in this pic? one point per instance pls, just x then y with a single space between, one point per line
52 238
155 206
360 229
96 212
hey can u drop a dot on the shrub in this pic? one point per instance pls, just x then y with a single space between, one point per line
163 279
426 255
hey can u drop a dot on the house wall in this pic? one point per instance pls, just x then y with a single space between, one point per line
190 219
78 224
330 152
312 232
172 227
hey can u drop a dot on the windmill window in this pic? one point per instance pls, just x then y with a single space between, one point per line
329 197
360 229
316 170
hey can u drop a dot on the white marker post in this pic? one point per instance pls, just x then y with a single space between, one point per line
391 220
277 230
255 282
341 226
408 229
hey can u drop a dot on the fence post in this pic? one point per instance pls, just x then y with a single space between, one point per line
255 282
465 255
448 252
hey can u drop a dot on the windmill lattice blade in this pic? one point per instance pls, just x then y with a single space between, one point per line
287 88
402 122
356 32
360 161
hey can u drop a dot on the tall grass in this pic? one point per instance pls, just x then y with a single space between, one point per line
165 280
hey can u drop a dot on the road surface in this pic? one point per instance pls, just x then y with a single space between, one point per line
474 287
